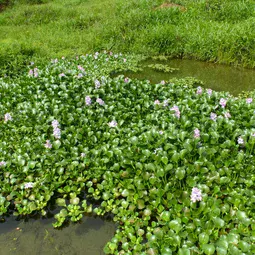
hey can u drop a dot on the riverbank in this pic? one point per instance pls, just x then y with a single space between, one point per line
219 31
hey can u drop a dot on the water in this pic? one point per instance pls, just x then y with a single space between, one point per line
37 236
215 76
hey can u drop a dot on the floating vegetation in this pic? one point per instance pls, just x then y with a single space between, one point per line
174 164
163 68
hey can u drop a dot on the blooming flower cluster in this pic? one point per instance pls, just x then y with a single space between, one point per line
81 68
213 116
196 195
29 185
97 84
126 80
113 123
227 115
199 90
209 92
88 100
48 144
196 133
2 163
100 101
177 111
240 140
7 117
223 102
56 129
157 102
165 103
249 100
33 72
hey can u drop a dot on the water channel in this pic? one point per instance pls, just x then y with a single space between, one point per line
215 76
37 236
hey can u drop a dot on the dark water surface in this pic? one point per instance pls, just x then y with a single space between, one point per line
215 76
38 237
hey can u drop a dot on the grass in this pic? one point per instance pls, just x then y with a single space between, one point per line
219 31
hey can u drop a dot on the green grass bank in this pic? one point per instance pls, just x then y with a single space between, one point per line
219 31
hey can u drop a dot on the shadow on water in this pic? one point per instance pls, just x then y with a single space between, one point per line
215 76
36 235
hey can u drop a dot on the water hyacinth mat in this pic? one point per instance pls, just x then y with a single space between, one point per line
173 164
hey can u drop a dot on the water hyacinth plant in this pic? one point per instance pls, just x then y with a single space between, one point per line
178 176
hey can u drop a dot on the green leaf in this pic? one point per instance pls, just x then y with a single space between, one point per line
208 249
203 238
164 160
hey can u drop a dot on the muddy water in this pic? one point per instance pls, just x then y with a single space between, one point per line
38 237
215 76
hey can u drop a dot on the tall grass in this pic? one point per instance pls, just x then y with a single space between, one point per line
214 30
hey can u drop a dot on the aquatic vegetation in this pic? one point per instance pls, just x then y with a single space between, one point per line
173 166
163 68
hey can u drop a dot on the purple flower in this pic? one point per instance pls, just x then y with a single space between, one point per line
163 82
161 132
240 140
80 75
31 72
209 92
55 124
249 100
81 68
97 84
2 163
199 90
165 103
213 116
88 100
100 101
35 72
223 102
57 133
48 145
253 135
29 185
113 123
157 102
61 75
126 80
196 195
56 129
196 133
7 117
177 111
227 115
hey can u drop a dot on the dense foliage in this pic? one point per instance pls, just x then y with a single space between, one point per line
174 164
